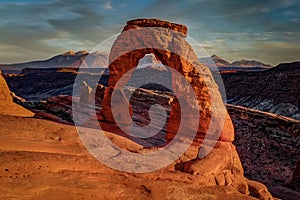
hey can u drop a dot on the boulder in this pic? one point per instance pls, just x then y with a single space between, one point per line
259 190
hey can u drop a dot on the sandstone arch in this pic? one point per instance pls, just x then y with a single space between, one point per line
167 42
221 166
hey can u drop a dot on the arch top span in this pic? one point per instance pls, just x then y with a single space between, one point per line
136 23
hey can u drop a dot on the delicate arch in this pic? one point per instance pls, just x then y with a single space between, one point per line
168 44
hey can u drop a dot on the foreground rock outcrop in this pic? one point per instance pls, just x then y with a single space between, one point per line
268 144
7 106
52 163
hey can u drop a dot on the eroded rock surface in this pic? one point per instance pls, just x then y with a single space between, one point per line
141 37
52 163
7 106
268 145
4 91
275 90
221 167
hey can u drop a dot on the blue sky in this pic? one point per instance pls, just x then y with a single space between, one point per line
267 30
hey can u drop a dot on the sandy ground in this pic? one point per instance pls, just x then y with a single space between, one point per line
40 159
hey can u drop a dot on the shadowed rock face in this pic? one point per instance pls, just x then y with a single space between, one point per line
275 90
276 136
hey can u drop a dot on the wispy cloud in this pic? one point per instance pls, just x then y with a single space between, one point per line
36 29
107 5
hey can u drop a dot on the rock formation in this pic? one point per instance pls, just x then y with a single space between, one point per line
7 106
221 167
295 183
4 91
41 159
171 48
85 94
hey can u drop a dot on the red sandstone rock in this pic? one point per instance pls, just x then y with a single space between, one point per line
140 37
4 91
171 48
7 106
258 190
134 24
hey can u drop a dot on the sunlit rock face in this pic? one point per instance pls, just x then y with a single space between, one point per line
170 47
7 106
4 91
166 41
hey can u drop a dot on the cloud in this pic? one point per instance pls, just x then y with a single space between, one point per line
232 29
107 5
50 27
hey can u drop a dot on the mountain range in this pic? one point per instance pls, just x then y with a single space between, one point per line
241 65
68 59
85 59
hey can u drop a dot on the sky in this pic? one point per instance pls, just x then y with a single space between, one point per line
266 31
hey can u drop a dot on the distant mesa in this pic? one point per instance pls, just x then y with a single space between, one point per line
250 63
214 60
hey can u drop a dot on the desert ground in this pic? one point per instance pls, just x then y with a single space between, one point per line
41 159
